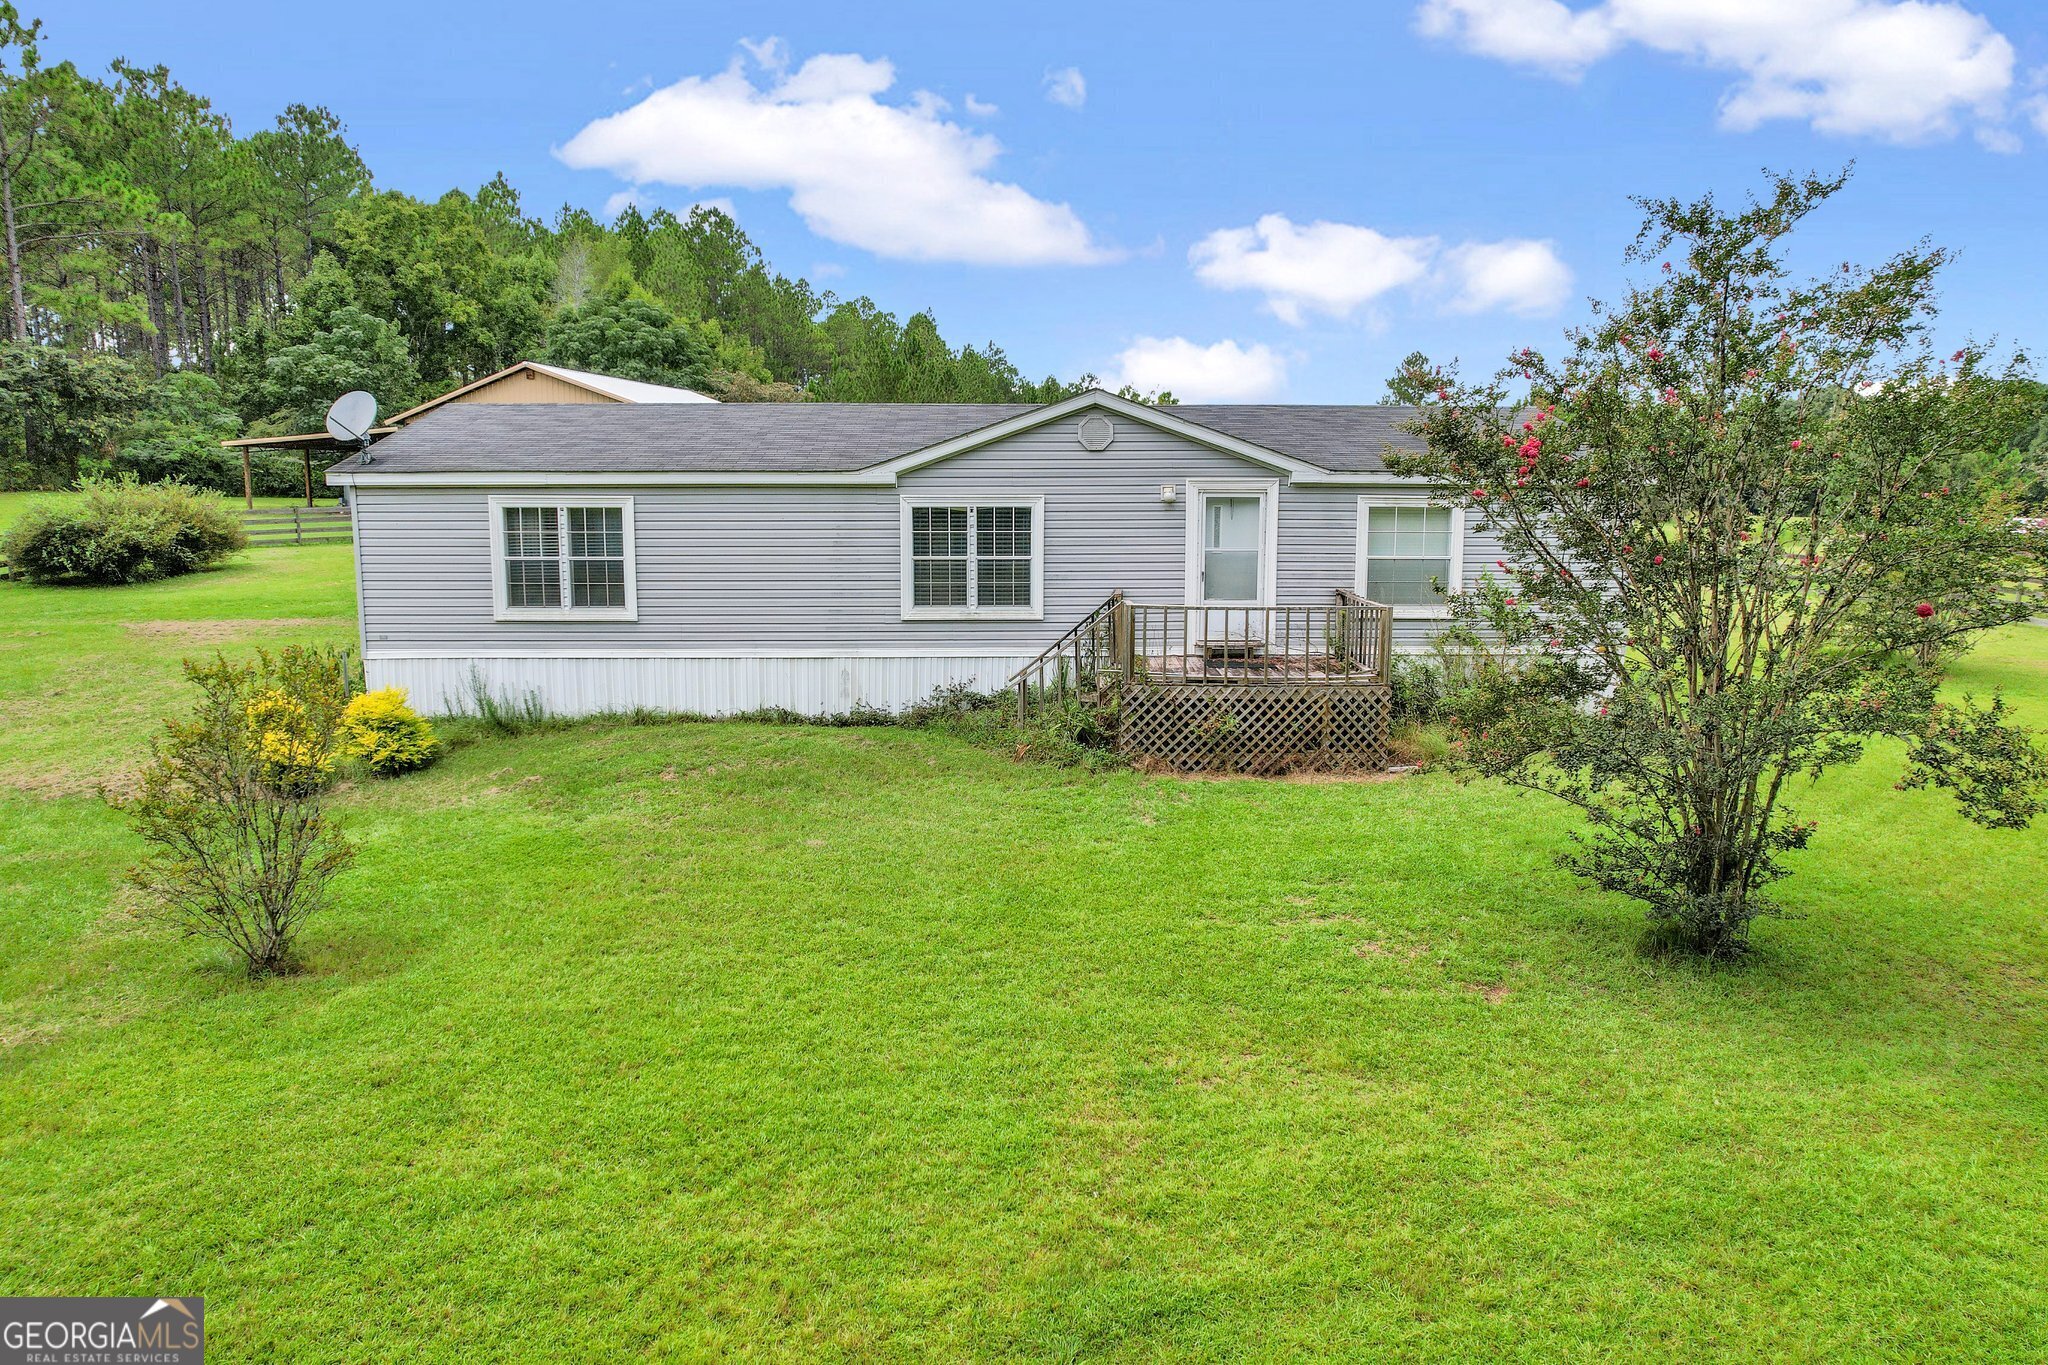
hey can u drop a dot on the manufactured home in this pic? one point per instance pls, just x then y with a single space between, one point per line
818 557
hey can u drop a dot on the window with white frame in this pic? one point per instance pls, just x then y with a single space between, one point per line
563 560
972 559
1405 550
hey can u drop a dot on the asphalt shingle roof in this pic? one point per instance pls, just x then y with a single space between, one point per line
806 438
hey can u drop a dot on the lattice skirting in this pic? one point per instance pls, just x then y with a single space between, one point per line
1256 729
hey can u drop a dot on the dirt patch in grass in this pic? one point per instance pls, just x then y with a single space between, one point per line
48 782
1373 947
208 632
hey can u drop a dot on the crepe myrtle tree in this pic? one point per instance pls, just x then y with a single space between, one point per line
1731 550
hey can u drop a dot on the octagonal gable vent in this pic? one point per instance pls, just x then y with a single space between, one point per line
1096 432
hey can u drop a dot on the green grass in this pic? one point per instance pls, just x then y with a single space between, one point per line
693 1040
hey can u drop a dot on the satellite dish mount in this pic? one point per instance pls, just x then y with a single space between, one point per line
349 421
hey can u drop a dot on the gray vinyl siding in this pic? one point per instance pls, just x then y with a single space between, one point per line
753 569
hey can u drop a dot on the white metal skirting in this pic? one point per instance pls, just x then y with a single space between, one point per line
720 686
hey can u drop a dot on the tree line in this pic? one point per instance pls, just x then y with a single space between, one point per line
170 282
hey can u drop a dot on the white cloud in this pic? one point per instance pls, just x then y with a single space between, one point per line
1532 32
895 179
1322 267
978 108
2037 109
1067 86
622 200
1903 70
1516 276
1337 268
1222 373
2004 141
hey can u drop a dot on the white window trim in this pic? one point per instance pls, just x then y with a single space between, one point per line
971 501
1456 582
1268 491
565 612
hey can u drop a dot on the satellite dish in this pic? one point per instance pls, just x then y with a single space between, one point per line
350 419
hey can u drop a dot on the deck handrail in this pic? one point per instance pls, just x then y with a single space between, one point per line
1123 643
1346 642
1090 646
1381 641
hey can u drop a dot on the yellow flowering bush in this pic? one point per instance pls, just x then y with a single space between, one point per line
293 751
386 734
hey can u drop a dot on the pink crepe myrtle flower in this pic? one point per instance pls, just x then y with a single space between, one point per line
1510 601
1924 610
1798 444
1654 353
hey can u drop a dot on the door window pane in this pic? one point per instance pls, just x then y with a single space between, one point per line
1231 529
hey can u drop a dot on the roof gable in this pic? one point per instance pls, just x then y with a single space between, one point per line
1099 400
610 386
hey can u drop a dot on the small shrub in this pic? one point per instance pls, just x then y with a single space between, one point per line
121 531
388 736
503 715
1070 734
1417 687
231 804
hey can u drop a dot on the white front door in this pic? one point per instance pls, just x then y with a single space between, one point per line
1230 557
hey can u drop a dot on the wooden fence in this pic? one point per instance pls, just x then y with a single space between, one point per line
299 526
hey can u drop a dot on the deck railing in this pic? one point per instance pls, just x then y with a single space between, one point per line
1348 641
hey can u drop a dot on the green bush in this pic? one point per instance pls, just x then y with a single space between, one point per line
1072 733
121 531
386 734
231 806
1417 686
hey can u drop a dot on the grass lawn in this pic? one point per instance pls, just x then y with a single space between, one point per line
697 1039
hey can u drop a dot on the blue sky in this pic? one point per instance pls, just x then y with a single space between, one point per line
1276 208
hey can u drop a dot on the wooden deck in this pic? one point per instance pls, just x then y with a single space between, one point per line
1236 689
